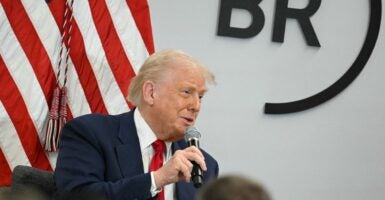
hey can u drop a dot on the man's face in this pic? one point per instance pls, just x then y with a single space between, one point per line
177 99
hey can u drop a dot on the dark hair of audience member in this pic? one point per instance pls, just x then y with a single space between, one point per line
233 187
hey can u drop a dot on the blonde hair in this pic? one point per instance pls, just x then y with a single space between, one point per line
157 64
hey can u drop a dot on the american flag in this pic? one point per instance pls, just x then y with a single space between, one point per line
110 40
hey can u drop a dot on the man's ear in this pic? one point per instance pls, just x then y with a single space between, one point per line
148 92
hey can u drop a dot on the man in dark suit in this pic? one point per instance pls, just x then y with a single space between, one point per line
112 155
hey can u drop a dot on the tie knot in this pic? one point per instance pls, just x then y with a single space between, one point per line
159 146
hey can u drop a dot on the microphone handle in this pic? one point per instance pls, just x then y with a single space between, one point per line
196 173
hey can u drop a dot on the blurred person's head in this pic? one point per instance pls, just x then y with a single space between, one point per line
233 187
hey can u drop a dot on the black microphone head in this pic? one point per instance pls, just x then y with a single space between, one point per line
192 132
192 136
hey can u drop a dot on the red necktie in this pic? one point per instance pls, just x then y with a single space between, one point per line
157 161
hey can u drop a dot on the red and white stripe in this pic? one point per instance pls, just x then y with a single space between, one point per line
110 41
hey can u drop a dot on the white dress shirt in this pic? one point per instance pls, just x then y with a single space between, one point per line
146 138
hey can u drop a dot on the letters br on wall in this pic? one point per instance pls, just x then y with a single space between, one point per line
303 16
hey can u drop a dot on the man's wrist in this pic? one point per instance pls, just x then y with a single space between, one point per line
158 179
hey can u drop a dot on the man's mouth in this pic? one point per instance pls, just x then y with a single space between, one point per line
188 120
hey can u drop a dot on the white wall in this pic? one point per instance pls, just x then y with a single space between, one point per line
335 151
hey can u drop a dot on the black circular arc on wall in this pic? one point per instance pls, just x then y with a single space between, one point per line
346 79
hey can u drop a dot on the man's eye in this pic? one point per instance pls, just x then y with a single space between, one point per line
187 91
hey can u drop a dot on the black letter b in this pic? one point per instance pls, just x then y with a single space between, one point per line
257 21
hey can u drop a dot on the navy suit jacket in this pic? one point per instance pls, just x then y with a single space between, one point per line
101 154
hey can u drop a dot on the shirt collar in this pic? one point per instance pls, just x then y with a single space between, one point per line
145 133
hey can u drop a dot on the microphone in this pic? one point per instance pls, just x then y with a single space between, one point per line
192 136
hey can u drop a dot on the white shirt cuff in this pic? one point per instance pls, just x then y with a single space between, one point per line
154 191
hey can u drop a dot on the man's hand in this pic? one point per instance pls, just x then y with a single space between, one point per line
179 167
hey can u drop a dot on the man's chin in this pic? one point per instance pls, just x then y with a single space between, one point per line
178 135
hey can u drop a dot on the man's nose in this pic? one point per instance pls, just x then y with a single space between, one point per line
195 103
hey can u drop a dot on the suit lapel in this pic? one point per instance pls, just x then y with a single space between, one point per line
128 151
183 190
130 157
